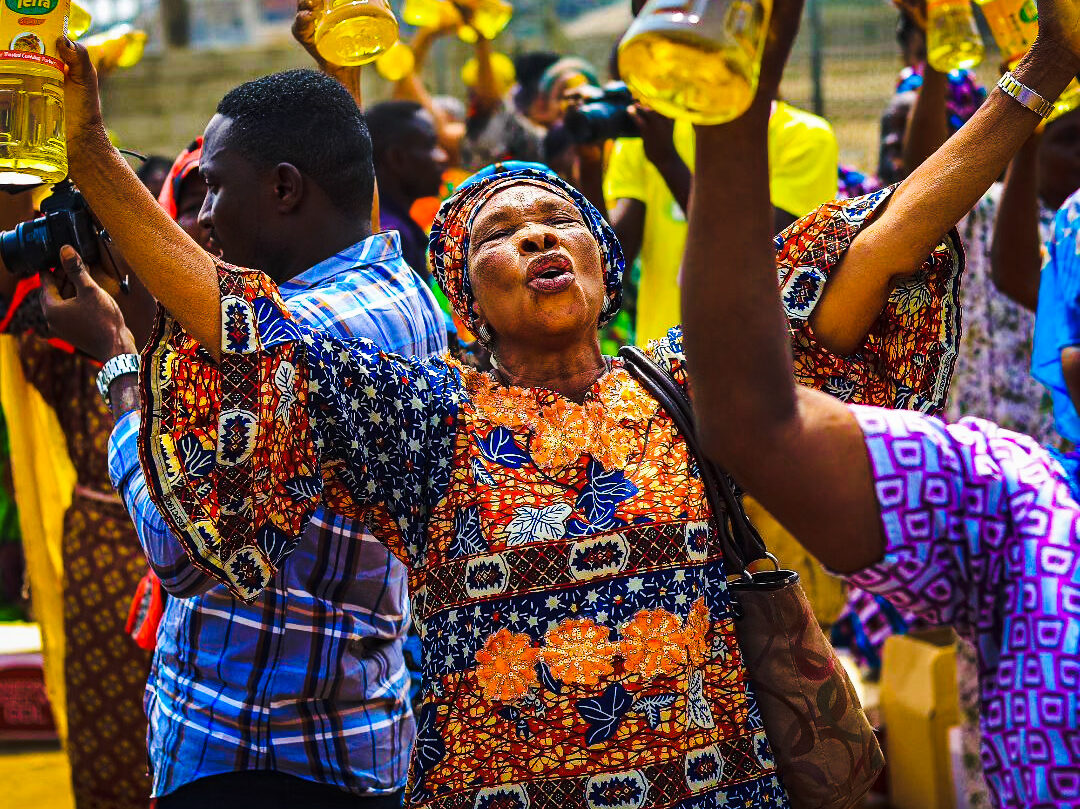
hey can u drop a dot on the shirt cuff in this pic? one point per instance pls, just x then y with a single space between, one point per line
124 449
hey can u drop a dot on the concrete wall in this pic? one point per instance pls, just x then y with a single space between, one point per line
162 103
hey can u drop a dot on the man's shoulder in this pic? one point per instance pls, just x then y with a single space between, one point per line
373 300
793 121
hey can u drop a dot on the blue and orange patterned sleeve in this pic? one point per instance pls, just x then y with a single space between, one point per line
238 455
907 359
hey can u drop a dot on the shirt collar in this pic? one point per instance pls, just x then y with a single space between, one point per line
377 249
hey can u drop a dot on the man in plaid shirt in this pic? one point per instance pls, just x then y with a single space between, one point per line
299 698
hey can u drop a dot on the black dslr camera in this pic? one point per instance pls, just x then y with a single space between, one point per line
34 247
602 116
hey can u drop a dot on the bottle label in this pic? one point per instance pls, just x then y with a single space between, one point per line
29 30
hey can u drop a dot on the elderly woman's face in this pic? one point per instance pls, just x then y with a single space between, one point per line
535 267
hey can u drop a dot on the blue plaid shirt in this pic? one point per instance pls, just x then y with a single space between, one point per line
309 678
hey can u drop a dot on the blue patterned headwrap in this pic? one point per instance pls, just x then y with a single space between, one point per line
448 248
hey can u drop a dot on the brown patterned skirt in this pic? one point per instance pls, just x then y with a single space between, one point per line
105 672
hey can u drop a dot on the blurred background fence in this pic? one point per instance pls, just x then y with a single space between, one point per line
162 103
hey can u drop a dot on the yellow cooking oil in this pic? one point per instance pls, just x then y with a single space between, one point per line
355 32
431 13
1014 24
79 21
488 18
396 63
953 41
697 60
32 145
119 46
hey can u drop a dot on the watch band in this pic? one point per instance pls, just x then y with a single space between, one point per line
118 366
1025 95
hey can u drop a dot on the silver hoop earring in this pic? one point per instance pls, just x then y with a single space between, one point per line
484 334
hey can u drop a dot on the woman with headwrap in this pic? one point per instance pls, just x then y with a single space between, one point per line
544 509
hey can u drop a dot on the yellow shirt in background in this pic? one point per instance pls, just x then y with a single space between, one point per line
803 158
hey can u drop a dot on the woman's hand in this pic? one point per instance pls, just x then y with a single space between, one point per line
1059 29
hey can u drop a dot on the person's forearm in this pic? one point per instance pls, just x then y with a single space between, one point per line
163 551
173 267
123 396
930 202
678 178
486 92
927 124
733 175
349 78
1016 251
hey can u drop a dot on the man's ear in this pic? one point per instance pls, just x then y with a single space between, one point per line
288 187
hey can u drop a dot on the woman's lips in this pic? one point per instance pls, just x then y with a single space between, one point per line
550 274
552 282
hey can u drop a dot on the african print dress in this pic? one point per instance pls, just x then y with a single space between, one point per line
577 630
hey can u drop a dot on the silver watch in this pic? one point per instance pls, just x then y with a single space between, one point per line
118 366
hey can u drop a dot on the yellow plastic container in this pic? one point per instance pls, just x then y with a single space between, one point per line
79 21
355 32
396 63
953 41
696 59
489 18
119 46
431 13
33 148
1014 24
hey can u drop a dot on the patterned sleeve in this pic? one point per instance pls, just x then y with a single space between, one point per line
239 454
960 505
908 357
22 312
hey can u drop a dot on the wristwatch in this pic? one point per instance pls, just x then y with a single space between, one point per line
118 366
1025 95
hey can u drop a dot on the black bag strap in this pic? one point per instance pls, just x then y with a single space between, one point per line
740 540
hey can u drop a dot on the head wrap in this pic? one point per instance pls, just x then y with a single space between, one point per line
568 66
964 96
448 249
185 163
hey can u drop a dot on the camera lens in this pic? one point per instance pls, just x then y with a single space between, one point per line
25 249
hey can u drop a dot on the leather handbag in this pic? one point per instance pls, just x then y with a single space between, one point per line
827 755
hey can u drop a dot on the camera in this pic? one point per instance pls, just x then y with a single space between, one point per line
603 116
34 247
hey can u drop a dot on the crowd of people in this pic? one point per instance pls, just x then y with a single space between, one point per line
347 417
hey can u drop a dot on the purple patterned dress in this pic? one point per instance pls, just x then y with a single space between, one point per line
983 533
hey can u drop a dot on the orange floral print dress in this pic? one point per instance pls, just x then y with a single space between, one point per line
577 630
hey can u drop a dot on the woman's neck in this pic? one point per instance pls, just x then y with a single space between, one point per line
571 372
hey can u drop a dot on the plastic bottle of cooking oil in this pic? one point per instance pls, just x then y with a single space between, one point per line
953 41
119 46
696 59
431 13
488 18
32 145
1014 24
79 21
396 63
355 32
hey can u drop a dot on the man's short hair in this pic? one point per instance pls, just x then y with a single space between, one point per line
309 120
389 122
529 67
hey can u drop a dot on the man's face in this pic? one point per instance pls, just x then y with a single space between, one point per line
421 160
236 210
